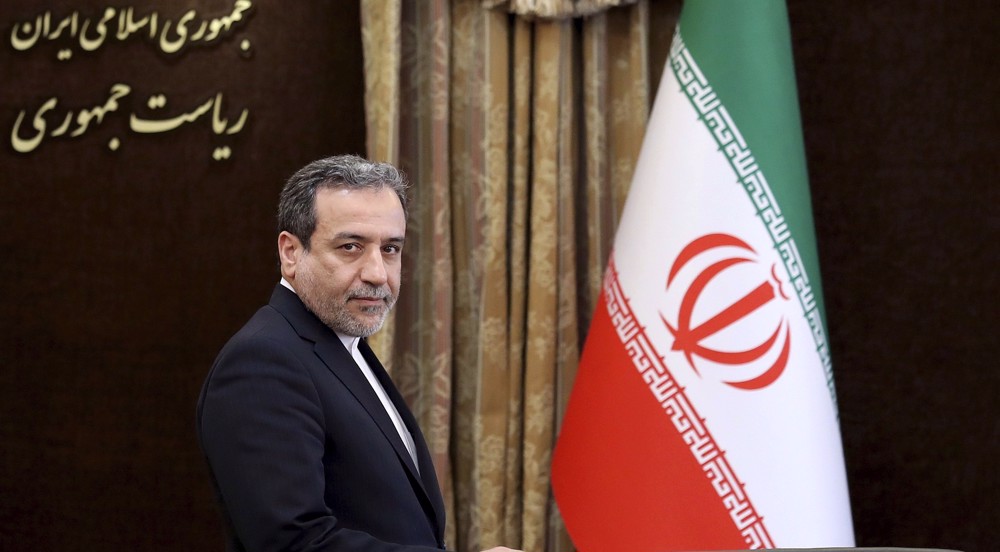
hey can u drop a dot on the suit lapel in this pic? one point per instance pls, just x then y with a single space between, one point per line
426 476
338 359
343 366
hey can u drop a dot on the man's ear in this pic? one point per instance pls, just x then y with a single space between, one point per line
290 251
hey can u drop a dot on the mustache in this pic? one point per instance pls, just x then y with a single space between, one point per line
369 292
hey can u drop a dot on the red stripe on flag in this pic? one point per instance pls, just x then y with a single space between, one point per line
635 468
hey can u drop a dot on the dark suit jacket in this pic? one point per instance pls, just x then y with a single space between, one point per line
301 452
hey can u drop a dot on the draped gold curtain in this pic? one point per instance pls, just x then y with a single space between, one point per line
519 131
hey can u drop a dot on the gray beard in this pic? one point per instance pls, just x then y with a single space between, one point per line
336 316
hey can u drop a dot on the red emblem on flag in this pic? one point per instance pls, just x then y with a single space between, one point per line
752 368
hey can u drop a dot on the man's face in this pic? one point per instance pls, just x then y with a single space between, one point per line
349 278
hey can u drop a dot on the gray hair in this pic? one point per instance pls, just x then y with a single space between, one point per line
297 203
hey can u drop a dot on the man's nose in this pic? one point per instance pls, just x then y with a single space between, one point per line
373 270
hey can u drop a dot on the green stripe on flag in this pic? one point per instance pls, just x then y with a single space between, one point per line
744 56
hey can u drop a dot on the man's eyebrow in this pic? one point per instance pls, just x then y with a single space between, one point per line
350 236
363 238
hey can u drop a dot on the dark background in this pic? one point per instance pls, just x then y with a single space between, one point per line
122 273
899 106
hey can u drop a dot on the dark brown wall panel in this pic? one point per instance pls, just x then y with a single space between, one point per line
123 271
900 107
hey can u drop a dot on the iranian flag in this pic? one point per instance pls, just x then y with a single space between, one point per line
703 415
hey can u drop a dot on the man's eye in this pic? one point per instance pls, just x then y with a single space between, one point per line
391 249
350 247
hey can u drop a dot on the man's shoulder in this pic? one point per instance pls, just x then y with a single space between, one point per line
266 328
279 340
271 321
266 321
265 349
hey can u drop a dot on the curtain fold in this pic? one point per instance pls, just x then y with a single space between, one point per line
519 136
380 33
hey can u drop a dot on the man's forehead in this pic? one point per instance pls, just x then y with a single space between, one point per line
334 191
372 214
373 200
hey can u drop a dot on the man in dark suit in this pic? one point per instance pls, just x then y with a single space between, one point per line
309 444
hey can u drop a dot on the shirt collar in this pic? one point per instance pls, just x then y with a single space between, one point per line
350 342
